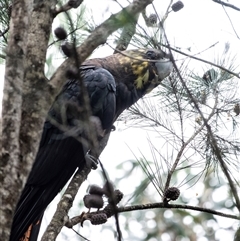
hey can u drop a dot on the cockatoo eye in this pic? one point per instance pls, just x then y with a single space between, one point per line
151 54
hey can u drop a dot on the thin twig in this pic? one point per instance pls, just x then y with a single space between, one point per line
202 60
226 4
119 237
2 34
175 206
230 22
167 11
80 235
185 144
204 50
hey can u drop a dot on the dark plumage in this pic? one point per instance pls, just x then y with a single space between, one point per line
113 84
60 154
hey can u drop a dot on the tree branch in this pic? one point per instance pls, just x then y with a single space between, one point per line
226 4
80 219
127 34
204 61
176 206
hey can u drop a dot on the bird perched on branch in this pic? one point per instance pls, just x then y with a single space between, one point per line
113 84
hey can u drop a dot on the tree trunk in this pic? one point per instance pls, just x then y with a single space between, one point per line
24 107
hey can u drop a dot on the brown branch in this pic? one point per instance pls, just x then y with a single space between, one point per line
176 206
226 4
86 216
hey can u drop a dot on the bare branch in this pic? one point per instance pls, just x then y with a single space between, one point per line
79 219
231 22
226 4
176 206
204 61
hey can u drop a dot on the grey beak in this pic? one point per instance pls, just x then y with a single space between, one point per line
164 68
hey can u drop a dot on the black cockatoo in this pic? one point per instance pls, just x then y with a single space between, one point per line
113 83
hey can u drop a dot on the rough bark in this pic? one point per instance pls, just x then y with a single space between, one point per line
34 106
25 86
11 168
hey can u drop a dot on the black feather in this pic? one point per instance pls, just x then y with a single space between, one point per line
111 87
60 154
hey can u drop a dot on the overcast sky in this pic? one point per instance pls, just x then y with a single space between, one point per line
198 25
